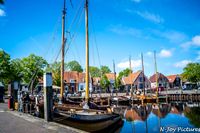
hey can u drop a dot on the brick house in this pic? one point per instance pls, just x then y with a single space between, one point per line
75 81
163 81
111 78
174 81
96 83
136 80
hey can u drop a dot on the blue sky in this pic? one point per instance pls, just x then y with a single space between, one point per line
118 29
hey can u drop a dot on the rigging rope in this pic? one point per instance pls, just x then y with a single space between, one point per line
95 40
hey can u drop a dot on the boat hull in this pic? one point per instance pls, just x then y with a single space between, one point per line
92 123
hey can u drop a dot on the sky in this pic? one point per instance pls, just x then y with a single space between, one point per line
118 30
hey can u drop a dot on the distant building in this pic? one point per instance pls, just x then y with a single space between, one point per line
162 80
75 81
96 84
111 78
174 81
136 80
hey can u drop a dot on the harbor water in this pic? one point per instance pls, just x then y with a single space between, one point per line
155 118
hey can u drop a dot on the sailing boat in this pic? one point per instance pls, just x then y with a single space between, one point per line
85 118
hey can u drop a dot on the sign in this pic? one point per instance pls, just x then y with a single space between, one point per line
47 80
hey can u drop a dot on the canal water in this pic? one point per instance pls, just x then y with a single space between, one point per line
171 118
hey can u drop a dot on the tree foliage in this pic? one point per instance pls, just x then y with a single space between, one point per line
193 116
55 69
94 71
17 69
74 66
123 73
33 68
5 70
105 69
104 82
1 1
192 72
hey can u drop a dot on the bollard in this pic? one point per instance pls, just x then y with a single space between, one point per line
109 102
48 96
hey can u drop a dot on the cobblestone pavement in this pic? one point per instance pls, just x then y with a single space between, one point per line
15 122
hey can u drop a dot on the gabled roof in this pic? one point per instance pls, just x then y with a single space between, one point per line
159 75
71 75
172 78
96 80
110 76
74 75
131 77
132 115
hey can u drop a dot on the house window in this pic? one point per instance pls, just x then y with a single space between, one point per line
72 81
112 81
140 79
81 87
140 86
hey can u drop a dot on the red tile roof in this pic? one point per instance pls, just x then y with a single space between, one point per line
132 115
96 80
172 78
74 75
110 76
131 77
159 75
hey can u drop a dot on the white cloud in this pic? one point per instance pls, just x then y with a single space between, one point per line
195 42
165 53
137 1
126 31
171 35
2 12
150 16
149 53
125 64
182 64
198 56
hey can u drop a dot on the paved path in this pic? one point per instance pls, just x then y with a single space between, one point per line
15 122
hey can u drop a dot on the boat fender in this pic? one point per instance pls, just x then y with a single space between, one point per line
109 110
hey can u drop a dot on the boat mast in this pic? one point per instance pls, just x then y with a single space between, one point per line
143 78
114 73
63 52
130 67
156 75
130 76
87 54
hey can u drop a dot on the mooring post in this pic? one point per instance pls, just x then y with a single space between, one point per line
48 96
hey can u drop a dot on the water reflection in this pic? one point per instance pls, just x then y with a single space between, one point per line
152 118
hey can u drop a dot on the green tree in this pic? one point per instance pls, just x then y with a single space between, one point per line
123 73
55 69
104 82
5 69
193 116
17 69
94 71
192 72
105 69
1 1
33 69
74 66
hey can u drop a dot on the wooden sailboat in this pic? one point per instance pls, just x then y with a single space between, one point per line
84 117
